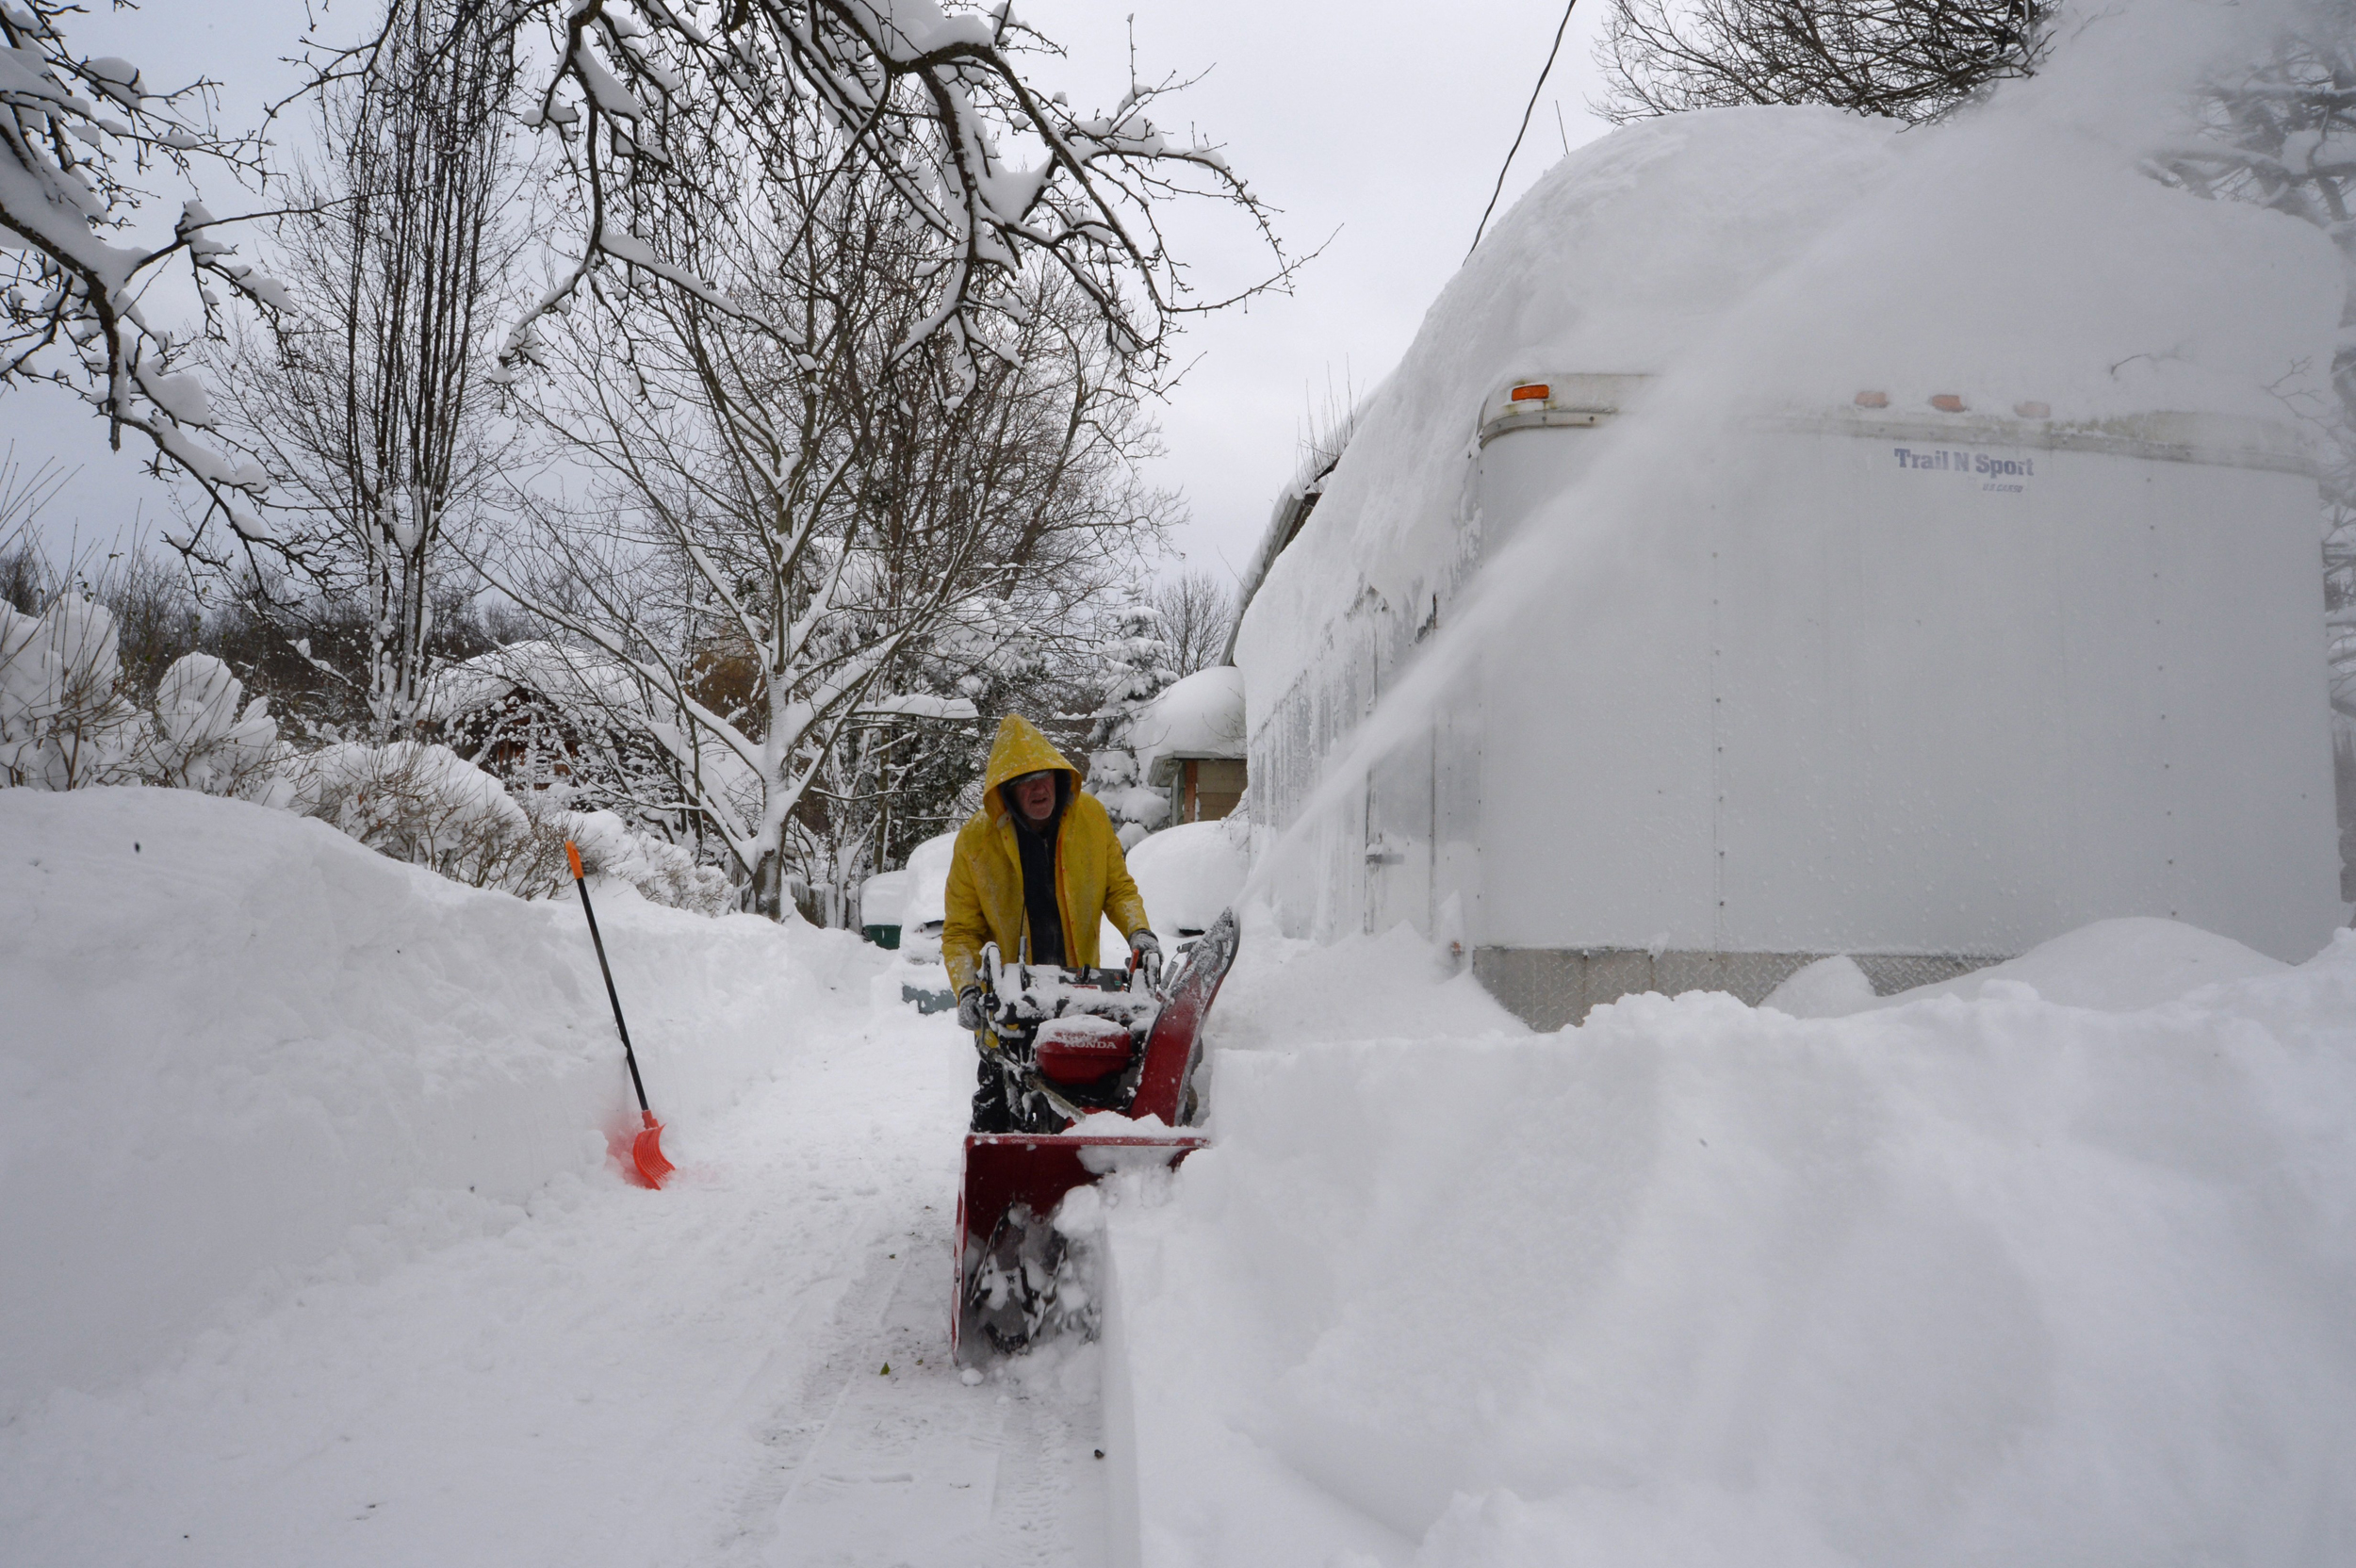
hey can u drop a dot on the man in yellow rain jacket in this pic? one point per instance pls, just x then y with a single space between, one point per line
1035 870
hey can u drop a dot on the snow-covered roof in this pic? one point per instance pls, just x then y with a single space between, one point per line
1200 716
1776 259
552 669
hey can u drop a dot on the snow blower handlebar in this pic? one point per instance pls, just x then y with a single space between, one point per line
1150 961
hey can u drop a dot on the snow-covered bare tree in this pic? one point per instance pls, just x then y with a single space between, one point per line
2280 130
794 542
650 95
1136 670
367 402
636 99
1910 59
78 136
1198 615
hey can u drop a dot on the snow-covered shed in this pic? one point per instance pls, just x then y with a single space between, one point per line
1189 741
1789 537
518 711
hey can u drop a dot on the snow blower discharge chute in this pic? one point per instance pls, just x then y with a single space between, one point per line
1060 1046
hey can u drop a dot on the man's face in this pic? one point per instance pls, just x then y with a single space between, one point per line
1035 795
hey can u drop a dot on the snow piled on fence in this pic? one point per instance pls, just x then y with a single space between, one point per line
1966 1279
231 1033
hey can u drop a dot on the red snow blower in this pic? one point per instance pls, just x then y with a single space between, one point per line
645 1151
1062 1046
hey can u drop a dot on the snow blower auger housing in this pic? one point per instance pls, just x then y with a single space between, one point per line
1062 1046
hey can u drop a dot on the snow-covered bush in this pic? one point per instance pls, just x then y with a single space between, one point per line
206 737
662 873
65 723
428 806
1137 667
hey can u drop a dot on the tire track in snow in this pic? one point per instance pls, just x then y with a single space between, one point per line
911 1466
858 1466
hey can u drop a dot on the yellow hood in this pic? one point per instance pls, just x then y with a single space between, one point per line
1020 748
984 899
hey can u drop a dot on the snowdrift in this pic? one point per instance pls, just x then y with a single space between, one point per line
232 1033
1981 1278
1187 874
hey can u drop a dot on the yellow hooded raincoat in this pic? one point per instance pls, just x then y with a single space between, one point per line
985 899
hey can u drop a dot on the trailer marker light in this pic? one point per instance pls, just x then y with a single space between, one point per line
1947 403
1535 389
1873 400
2033 410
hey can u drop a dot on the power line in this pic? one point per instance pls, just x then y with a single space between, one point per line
1528 110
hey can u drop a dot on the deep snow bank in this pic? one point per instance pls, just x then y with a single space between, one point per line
1959 1281
2116 964
231 1033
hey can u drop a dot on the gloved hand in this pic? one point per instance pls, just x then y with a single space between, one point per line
970 1007
1146 950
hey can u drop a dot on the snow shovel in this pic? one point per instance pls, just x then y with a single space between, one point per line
646 1149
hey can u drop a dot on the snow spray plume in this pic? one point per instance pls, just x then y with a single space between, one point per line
1968 255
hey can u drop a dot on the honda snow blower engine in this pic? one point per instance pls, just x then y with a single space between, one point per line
1062 1046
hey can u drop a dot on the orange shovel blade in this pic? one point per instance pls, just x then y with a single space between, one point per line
646 1153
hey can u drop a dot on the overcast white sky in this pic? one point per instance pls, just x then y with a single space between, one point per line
1379 124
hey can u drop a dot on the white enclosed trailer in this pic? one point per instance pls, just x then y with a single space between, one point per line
1897 676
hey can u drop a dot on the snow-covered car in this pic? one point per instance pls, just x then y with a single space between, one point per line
923 912
1187 874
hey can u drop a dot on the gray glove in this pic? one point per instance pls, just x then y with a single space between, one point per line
1146 949
970 1007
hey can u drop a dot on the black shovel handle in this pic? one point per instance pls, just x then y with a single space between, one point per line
629 1056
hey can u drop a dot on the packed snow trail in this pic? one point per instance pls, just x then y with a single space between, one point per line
605 1375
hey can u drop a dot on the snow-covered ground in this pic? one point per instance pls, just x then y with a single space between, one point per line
316 1255
2050 1264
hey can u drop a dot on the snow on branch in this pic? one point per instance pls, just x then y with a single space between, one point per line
75 134
917 705
651 108
657 116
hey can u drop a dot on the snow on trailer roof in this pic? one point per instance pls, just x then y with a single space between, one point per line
1617 259
1800 232
1878 514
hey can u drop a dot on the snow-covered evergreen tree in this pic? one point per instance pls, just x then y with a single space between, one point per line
1137 667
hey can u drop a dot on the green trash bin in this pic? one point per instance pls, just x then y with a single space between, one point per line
881 901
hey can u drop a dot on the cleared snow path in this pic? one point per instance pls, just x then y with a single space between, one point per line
606 1375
